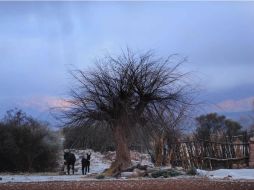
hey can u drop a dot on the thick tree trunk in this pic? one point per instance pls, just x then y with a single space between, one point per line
158 151
123 159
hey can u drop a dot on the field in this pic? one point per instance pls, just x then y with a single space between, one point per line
223 179
137 184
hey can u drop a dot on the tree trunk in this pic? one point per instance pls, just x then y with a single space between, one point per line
158 151
123 159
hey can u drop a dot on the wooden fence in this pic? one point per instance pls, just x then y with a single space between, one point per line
210 154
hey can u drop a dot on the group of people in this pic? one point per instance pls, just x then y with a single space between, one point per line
70 160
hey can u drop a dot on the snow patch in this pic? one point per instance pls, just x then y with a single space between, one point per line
38 178
228 173
98 163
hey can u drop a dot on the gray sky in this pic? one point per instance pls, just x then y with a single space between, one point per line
40 40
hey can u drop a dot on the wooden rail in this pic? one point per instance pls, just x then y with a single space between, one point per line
209 154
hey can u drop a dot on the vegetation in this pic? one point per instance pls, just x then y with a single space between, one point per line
96 138
215 127
26 144
125 94
165 173
101 176
192 171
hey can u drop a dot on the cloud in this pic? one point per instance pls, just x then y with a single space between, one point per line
44 103
230 105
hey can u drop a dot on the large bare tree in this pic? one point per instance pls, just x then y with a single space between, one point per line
122 92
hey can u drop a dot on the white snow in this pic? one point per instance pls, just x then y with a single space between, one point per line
98 163
38 178
228 173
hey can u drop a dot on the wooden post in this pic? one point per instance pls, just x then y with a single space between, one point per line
251 155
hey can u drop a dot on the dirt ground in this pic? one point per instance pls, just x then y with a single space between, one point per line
144 184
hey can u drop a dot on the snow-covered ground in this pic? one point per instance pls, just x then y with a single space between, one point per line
39 178
99 162
228 173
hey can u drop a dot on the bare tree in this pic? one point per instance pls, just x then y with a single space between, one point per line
122 92
165 129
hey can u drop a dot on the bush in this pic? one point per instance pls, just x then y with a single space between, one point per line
192 171
101 176
26 144
165 173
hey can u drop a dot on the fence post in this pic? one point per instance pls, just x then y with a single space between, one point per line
251 155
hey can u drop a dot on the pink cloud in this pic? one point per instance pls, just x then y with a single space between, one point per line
44 103
245 104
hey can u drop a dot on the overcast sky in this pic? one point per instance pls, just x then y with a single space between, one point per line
40 40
